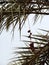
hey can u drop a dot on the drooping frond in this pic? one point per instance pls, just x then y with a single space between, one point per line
16 11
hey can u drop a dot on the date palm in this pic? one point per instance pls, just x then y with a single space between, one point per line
13 12
16 11
10 13
31 55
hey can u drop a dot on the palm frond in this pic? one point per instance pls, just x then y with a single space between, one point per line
41 39
10 9
44 30
34 55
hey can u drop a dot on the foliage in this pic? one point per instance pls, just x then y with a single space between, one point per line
32 54
13 12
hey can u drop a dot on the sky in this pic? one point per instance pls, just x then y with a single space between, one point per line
8 43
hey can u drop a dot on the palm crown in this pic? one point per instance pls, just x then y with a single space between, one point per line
13 12
31 54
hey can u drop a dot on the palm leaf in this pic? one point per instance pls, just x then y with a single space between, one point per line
24 52
34 42
42 36
44 30
25 9
41 39
37 55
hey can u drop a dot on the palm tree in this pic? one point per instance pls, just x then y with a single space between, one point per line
16 11
31 55
13 12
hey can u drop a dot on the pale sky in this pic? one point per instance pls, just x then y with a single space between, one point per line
7 43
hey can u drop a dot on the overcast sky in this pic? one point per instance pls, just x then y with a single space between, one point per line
7 43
